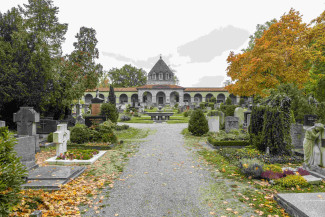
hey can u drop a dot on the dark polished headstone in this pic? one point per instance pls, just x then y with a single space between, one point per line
309 120
94 120
46 126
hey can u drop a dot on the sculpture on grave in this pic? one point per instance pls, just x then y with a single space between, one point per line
312 145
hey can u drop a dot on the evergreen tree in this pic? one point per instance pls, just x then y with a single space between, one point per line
198 124
111 96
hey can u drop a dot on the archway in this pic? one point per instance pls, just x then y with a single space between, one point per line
147 97
134 99
174 97
208 97
233 99
123 98
197 97
88 98
161 98
187 98
221 98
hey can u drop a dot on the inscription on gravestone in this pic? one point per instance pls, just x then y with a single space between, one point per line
46 126
94 120
309 120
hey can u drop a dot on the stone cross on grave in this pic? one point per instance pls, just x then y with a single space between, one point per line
61 137
26 119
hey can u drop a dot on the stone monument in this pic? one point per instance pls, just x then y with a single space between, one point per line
231 123
60 138
213 122
26 119
239 112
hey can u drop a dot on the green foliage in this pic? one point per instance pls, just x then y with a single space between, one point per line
228 101
127 76
79 154
213 100
109 111
50 137
228 110
292 181
211 105
198 124
202 105
217 143
121 127
111 96
251 167
320 112
125 118
241 101
11 173
80 134
176 106
256 127
185 114
272 167
231 136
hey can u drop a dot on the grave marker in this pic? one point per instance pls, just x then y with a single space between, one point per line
2 123
309 120
239 112
61 137
94 120
231 123
26 119
213 122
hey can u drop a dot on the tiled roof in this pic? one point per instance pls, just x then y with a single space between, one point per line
160 66
205 89
116 89
160 86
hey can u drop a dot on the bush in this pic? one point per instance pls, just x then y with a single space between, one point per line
202 105
11 173
215 142
228 101
121 127
50 137
272 167
106 134
176 106
232 135
80 134
109 110
303 172
292 181
198 124
288 172
185 114
211 105
251 167
228 110
125 118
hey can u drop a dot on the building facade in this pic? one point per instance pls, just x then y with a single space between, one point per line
161 90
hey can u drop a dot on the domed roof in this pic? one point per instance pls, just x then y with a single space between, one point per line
160 66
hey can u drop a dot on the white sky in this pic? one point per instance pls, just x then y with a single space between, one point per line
193 36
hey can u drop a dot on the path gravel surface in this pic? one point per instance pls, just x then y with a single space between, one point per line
161 179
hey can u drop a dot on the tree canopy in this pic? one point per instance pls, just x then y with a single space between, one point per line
127 76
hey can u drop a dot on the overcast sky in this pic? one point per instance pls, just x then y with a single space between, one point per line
193 37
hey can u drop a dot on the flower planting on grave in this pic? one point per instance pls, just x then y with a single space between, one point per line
77 154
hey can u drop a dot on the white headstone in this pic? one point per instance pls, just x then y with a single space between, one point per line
61 137
213 122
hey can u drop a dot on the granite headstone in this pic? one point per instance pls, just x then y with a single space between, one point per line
231 123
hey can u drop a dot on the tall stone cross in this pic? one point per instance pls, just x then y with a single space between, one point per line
61 137
26 119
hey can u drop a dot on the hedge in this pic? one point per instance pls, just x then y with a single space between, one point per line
215 142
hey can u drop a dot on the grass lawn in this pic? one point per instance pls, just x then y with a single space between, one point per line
132 133
144 119
178 118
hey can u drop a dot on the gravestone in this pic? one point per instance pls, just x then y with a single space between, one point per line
231 123
246 114
239 112
60 138
297 135
213 122
222 117
309 120
46 126
26 119
79 118
2 123
95 109
94 120
248 119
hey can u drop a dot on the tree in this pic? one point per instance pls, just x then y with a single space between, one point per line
109 110
111 96
127 76
279 56
198 124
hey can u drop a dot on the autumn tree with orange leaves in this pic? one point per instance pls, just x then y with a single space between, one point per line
278 57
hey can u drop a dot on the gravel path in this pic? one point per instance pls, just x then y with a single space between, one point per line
162 179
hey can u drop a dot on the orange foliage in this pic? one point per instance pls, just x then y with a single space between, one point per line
279 56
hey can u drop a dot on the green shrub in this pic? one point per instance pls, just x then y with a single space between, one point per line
185 114
256 127
198 124
50 137
228 110
228 101
215 142
109 110
202 105
292 181
80 134
211 105
272 167
125 118
106 134
176 106
213 99
121 127
251 167
232 135
11 173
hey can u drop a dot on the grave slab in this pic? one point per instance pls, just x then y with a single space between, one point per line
302 204
51 177
312 179
53 160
